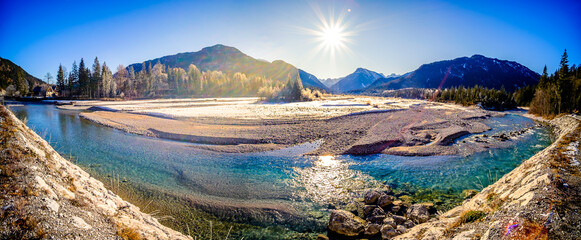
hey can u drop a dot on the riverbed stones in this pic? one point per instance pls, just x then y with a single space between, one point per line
367 209
385 200
355 207
346 223
376 216
372 229
398 207
398 219
418 213
371 197
390 221
388 232
408 224
401 229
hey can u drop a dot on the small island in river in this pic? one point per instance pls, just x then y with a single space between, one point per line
346 125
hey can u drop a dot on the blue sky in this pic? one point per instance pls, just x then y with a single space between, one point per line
384 36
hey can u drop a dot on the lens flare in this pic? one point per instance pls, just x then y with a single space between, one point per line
331 33
333 37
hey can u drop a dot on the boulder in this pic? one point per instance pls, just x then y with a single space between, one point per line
399 207
372 229
388 232
385 200
418 213
408 224
367 209
371 197
401 229
346 223
356 208
376 216
398 219
390 221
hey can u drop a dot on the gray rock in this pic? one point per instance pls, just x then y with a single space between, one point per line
388 232
368 209
401 229
346 223
356 208
385 200
398 219
390 221
371 197
376 216
51 204
408 224
395 209
80 223
7 208
418 213
372 229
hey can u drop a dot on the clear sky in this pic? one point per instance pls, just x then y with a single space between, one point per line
384 36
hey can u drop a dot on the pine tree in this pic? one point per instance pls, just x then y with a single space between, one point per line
83 79
96 78
73 79
562 83
60 80
297 89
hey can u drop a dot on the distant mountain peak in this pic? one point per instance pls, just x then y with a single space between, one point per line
359 79
463 71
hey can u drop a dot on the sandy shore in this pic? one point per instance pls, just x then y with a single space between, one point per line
359 125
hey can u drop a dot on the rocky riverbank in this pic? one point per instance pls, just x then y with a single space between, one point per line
42 195
537 200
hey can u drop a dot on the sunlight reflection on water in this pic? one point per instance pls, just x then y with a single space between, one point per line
330 180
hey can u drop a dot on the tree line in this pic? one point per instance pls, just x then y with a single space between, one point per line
164 81
556 93
487 98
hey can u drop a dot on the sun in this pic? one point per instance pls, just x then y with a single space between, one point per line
333 36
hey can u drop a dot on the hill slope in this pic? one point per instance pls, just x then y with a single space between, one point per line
468 72
359 79
229 59
12 74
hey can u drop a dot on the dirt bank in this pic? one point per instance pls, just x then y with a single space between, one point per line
42 195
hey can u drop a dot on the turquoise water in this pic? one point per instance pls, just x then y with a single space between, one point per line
278 177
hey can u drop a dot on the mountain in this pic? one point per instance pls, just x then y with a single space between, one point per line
311 81
359 79
331 81
229 59
464 71
12 74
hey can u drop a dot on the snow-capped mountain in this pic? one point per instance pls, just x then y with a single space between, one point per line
464 71
359 79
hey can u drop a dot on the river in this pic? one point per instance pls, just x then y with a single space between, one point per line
282 178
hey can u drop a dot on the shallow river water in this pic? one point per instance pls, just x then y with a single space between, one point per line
282 176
